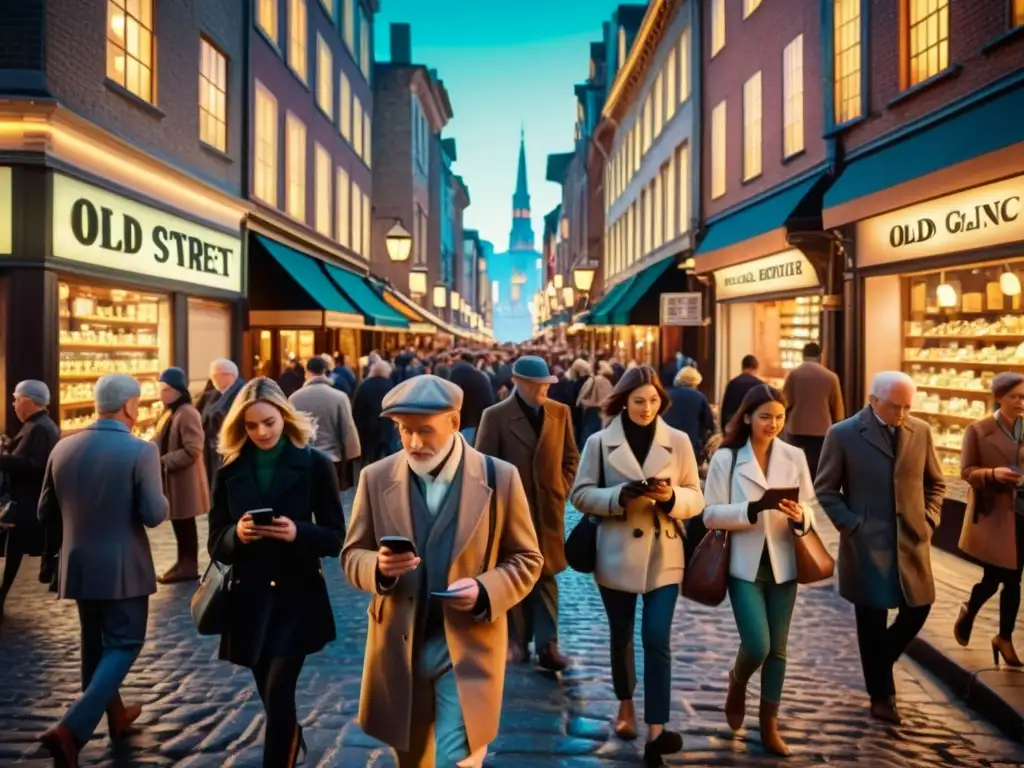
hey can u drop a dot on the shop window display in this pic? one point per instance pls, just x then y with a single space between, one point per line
782 330
109 330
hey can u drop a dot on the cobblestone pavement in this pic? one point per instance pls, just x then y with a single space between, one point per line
202 712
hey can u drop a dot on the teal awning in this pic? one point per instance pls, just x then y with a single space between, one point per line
982 124
757 218
306 272
642 284
601 314
367 301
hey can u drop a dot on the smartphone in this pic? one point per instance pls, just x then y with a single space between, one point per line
450 592
262 516
398 544
776 495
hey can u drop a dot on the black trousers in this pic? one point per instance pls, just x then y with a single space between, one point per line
276 679
187 537
536 618
811 446
992 577
882 645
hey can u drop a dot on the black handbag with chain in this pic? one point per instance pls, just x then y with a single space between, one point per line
581 544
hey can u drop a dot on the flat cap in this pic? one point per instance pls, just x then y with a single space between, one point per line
532 368
425 394
34 390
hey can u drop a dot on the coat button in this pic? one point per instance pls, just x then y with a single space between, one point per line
273 583
637 533
405 638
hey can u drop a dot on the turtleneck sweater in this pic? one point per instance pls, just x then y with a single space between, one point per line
639 438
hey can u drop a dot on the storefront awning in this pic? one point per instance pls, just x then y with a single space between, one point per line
424 319
306 272
601 314
624 312
416 322
366 299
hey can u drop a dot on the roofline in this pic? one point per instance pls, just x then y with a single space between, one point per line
645 44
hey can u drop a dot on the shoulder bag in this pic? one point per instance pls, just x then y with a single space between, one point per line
209 603
581 545
706 576
813 562
492 519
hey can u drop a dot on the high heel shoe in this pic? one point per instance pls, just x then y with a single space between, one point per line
1004 647
667 743
963 626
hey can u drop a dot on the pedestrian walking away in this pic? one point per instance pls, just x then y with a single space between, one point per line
750 464
462 552
105 487
227 383
814 400
639 476
737 389
535 434
880 483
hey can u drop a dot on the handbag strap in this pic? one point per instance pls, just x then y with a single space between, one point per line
732 470
600 469
493 512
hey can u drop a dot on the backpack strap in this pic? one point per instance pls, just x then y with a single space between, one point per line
492 523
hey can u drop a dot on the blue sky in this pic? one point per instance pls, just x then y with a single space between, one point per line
504 64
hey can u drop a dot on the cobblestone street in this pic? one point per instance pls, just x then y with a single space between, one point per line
202 712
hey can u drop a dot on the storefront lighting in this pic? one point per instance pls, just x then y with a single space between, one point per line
945 294
456 302
1009 284
583 278
559 282
417 283
399 243
567 296
440 296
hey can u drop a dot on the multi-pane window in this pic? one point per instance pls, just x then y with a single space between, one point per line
266 17
752 127
684 65
659 104
345 106
344 233
717 26
671 96
322 205
793 97
324 76
265 128
349 26
130 46
670 199
364 47
295 167
927 25
1018 13
213 96
357 125
717 151
749 6
683 185
357 217
847 59
297 31
367 140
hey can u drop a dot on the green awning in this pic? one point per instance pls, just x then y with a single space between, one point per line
601 314
642 284
367 301
306 272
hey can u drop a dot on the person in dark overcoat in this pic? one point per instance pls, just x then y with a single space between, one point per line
478 393
690 411
278 611
377 435
227 383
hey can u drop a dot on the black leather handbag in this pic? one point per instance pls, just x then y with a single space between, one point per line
209 603
581 544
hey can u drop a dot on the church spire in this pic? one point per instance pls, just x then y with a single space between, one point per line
522 190
521 237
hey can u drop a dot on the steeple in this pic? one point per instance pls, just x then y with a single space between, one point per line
521 237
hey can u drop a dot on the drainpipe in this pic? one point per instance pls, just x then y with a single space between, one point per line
705 352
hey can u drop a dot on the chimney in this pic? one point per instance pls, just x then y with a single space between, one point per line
401 44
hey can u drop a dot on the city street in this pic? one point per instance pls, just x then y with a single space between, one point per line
202 712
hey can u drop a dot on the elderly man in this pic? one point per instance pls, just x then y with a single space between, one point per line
535 434
227 382
437 641
105 485
881 484
332 412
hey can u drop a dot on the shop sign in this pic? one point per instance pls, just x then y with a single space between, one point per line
101 228
781 272
6 212
681 309
978 218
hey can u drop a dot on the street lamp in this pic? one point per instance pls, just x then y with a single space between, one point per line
568 296
559 281
583 278
399 243
418 283
551 290
440 296
456 302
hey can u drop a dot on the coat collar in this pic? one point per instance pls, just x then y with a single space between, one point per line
108 425
989 428
293 467
323 380
780 467
621 456
872 430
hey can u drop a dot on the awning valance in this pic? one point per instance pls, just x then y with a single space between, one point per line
366 299
601 314
305 271
626 311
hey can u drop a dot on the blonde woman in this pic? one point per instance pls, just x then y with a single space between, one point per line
595 391
278 611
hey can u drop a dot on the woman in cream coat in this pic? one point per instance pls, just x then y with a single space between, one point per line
762 564
639 477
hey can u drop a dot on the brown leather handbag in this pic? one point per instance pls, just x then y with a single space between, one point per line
813 562
706 577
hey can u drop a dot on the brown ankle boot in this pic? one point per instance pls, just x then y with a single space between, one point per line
625 721
771 740
121 717
735 703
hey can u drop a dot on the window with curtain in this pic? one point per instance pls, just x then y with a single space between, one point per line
266 17
213 96
295 167
324 77
793 97
718 150
322 170
343 205
752 127
927 49
846 30
265 128
297 31
131 48
717 26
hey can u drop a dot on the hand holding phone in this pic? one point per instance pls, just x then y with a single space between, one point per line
262 517
396 556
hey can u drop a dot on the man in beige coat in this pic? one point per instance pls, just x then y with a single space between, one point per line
331 410
535 434
814 401
435 650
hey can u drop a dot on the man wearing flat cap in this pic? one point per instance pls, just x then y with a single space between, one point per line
435 665
535 434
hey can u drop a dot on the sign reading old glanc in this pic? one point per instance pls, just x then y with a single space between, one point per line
99 227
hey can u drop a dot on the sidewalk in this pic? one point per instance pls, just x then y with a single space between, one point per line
997 693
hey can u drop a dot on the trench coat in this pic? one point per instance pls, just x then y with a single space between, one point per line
547 466
637 550
184 468
25 465
478 649
989 529
886 508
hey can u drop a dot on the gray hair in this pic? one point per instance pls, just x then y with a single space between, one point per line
381 368
34 390
885 381
114 390
227 365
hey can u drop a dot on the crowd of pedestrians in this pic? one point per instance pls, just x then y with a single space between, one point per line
464 462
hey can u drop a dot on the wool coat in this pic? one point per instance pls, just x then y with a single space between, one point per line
184 467
25 466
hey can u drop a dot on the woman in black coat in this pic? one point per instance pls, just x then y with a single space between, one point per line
278 610
377 435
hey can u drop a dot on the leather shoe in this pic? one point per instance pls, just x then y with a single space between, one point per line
551 659
963 626
121 717
62 746
178 573
885 710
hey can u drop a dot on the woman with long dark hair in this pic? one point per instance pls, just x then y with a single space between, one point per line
639 477
746 472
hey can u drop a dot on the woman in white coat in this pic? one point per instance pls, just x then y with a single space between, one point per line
762 566
639 477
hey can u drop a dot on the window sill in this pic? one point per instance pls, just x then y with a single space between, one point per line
327 115
219 154
124 93
953 70
794 156
752 179
851 123
1006 38
270 41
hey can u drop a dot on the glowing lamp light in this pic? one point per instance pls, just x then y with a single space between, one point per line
559 281
946 295
567 296
399 243
417 283
1009 284
440 296
583 278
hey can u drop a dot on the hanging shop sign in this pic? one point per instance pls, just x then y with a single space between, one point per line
98 227
6 212
781 272
978 218
681 309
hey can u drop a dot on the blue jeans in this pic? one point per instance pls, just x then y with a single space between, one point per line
438 725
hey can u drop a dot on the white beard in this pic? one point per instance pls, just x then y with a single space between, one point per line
425 467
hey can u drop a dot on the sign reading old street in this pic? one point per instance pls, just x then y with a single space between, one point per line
101 228
781 272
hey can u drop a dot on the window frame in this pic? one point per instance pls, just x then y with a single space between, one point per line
753 118
342 208
262 170
295 178
345 106
840 78
111 43
273 6
685 76
221 120
324 76
719 156
906 52
323 202
293 55
789 101
717 20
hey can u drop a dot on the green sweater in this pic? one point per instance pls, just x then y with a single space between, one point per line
266 465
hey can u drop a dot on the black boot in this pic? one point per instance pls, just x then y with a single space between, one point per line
964 625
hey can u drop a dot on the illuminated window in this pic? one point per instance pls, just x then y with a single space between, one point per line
671 96
717 26
659 105
344 235
847 59
265 165
295 167
130 46
684 65
927 39
367 140
670 199
322 169
752 127
266 17
364 47
793 97
324 76
749 6
328 6
717 150
213 96
647 211
683 185
657 191
622 47
366 226
357 125
297 24
345 106
357 217
1018 13
648 120
349 26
